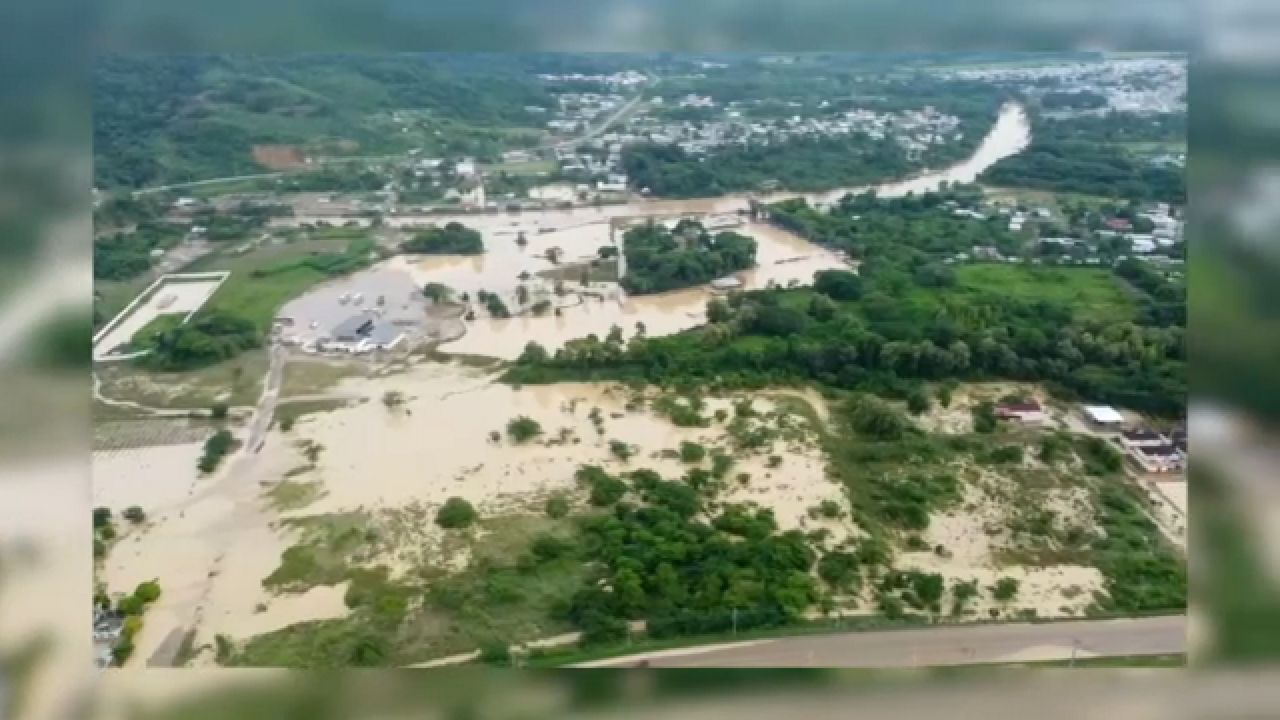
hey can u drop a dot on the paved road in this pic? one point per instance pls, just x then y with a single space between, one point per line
599 129
972 644
267 404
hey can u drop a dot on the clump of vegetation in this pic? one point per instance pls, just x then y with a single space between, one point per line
702 588
1005 589
597 419
132 607
437 292
218 411
876 419
692 452
456 513
840 571
135 515
659 259
1142 572
393 399
496 307
557 506
1054 447
603 488
961 594
682 411
1099 457
523 428
918 402
210 337
452 239
984 417
215 449
1005 454
914 589
621 450
721 462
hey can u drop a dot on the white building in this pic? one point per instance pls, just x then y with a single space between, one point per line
1103 416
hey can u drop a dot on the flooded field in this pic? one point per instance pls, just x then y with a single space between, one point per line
438 444
782 259
574 235
211 541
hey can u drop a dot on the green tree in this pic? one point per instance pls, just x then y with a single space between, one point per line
691 452
718 311
523 428
456 513
557 505
1005 589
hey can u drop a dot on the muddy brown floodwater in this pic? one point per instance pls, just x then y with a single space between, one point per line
578 233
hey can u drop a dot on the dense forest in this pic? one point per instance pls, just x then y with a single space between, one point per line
173 118
452 239
1087 155
905 319
660 259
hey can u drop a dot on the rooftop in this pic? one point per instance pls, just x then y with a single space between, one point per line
1104 414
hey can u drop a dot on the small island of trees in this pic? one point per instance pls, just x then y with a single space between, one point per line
659 259
452 239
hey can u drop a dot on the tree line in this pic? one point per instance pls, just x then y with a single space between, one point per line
1086 155
898 322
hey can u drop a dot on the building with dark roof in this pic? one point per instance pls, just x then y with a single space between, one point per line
1159 458
1142 437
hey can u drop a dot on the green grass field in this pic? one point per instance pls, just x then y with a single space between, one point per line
524 168
1037 198
111 296
259 298
157 325
1091 292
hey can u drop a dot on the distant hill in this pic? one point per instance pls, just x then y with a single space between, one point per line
163 119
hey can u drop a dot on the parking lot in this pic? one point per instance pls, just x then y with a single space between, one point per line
385 293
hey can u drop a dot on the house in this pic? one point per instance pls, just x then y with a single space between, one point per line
1103 416
1159 459
1142 438
1026 412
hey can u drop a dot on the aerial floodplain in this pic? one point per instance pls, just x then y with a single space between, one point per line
548 359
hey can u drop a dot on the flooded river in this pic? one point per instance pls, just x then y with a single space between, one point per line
578 233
